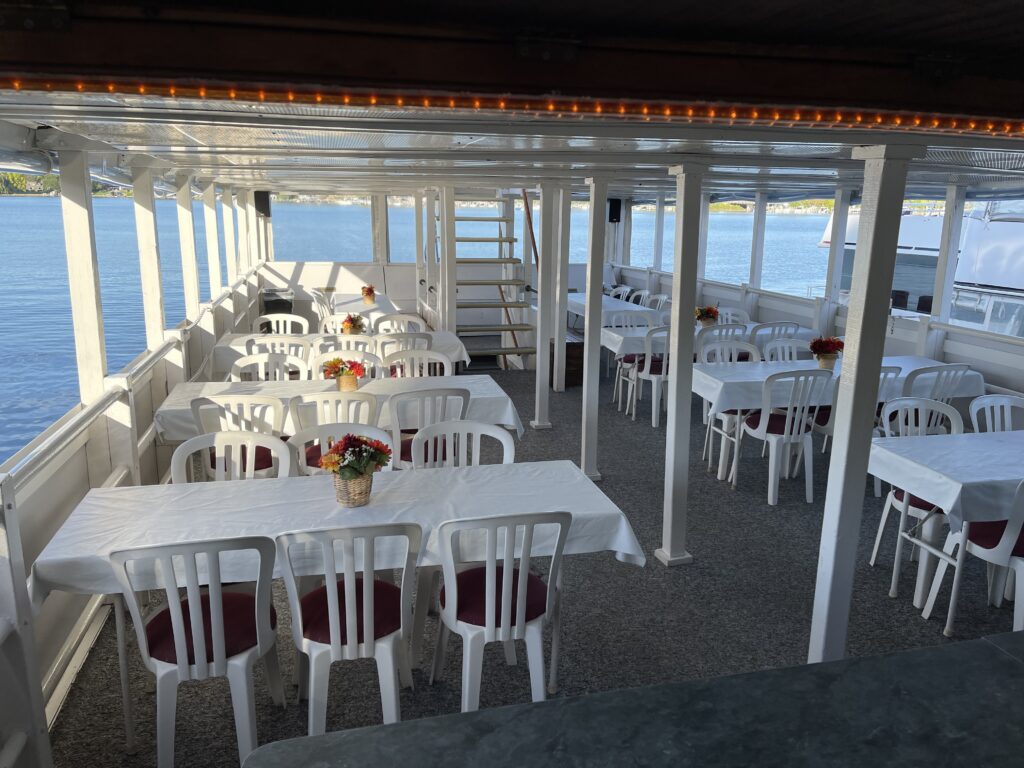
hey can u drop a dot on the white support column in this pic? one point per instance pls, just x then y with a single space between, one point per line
421 273
949 253
627 230
545 303
702 247
83 273
448 267
227 207
757 241
563 228
659 230
431 254
212 240
836 255
143 201
242 217
187 242
680 354
268 224
592 324
252 228
885 175
379 224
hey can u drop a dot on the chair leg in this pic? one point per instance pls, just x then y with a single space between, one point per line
166 711
273 667
1017 564
440 652
774 470
319 681
878 488
897 559
655 402
424 594
954 597
535 658
472 669
122 664
556 645
824 444
510 653
387 672
302 676
940 574
808 451
881 530
243 702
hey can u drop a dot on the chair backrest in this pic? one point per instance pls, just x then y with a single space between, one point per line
245 413
629 319
233 456
935 382
332 324
1003 551
621 292
400 342
196 567
729 351
283 323
656 353
997 413
332 407
269 366
733 315
320 303
762 333
418 362
296 346
806 391
784 350
640 297
656 300
317 552
507 544
375 368
457 444
399 322
720 332
423 407
334 342
888 376
328 434
916 416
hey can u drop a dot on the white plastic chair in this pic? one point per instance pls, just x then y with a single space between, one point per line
784 350
911 417
399 322
627 321
283 323
727 351
640 297
418 362
786 427
762 333
652 368
308 443
245 413
501 600
733 315
825 417
317 408
335 342
997 413
412 411
457 444
320 304
268 366
295 346
1000 544
656 301
230 456
365 617
388 343
719 332
332 324
375 368
937 382
620 292
208 633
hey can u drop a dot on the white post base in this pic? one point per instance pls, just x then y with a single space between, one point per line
595 476
665 558
540 424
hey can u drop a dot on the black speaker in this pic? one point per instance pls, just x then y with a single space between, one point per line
262 202
614 210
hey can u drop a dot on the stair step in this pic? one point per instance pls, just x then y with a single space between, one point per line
461 239
495 351
495 281
518 327
475 260
492 304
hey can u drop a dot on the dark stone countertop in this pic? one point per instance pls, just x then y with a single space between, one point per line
956 704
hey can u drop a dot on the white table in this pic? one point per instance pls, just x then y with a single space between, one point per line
352 303
630 341
108 519
971 477
232 346
488 402
577 305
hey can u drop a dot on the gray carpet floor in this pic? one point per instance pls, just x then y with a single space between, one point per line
744 604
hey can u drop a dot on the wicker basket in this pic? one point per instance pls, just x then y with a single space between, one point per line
371 299
827 361
708 322
347 383
353 493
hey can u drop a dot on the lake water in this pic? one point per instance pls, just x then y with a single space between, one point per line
39 381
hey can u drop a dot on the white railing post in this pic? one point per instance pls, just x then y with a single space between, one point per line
626 233
448 266
227 207
757 241
418 222
702 246
122 430
268 225
545 304
689 201
212 240
949 253
836 255
430 255
252 229
885 176
242 217
187 241
564 225
592 324
149 256
659 230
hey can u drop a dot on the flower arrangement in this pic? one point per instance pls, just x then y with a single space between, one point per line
706 315
338 367
826 345
369 294
353 324
352 461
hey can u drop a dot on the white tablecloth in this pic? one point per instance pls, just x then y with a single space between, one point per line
972 476
106 520
577 304
352 303
740 385
630 341
233 346
488 402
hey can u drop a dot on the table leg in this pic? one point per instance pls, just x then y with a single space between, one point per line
122 662
931 532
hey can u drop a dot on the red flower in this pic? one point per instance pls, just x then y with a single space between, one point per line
826 345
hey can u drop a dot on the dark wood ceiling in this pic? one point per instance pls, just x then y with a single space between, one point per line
946 56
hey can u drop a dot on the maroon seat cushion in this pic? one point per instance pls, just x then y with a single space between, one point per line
915 501
406 450
313 454
636 359
472 591
823 415
239 628
776 423
264 458
387 611
655 367
988 534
